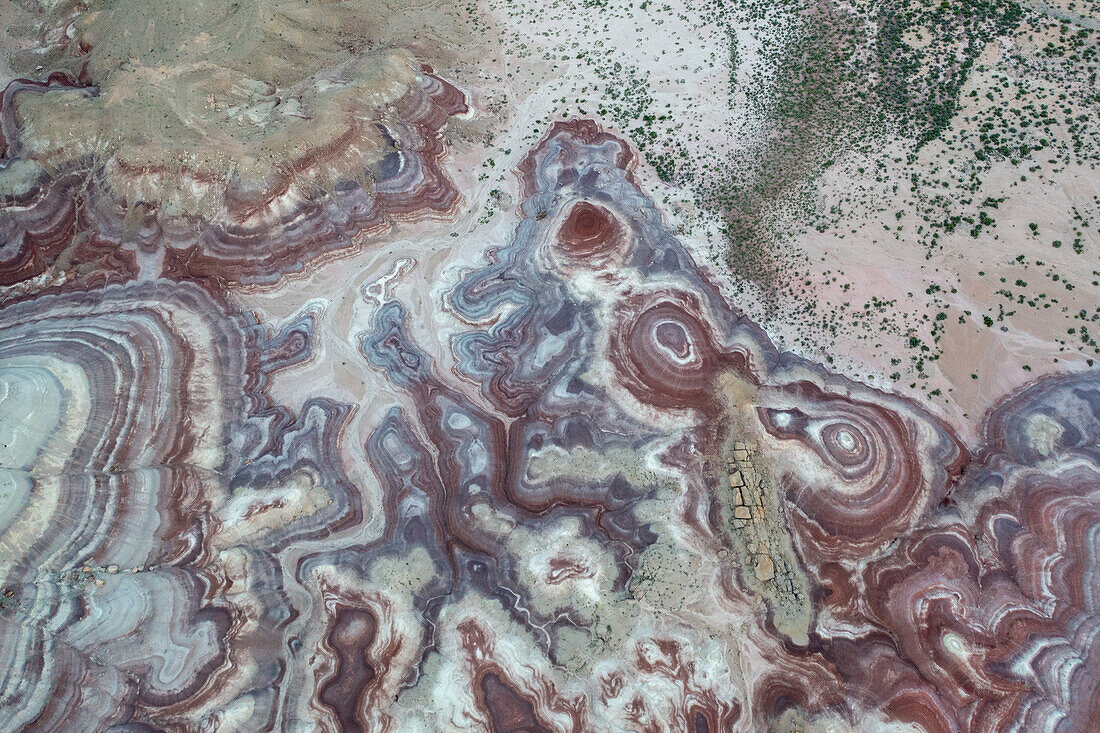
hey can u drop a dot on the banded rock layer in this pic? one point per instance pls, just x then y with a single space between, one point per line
614 504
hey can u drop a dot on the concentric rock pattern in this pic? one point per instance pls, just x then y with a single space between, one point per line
611 504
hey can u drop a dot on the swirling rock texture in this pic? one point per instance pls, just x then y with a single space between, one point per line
569 486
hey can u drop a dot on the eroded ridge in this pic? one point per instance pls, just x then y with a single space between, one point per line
238 159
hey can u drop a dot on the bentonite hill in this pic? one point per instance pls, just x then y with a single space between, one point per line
549 366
